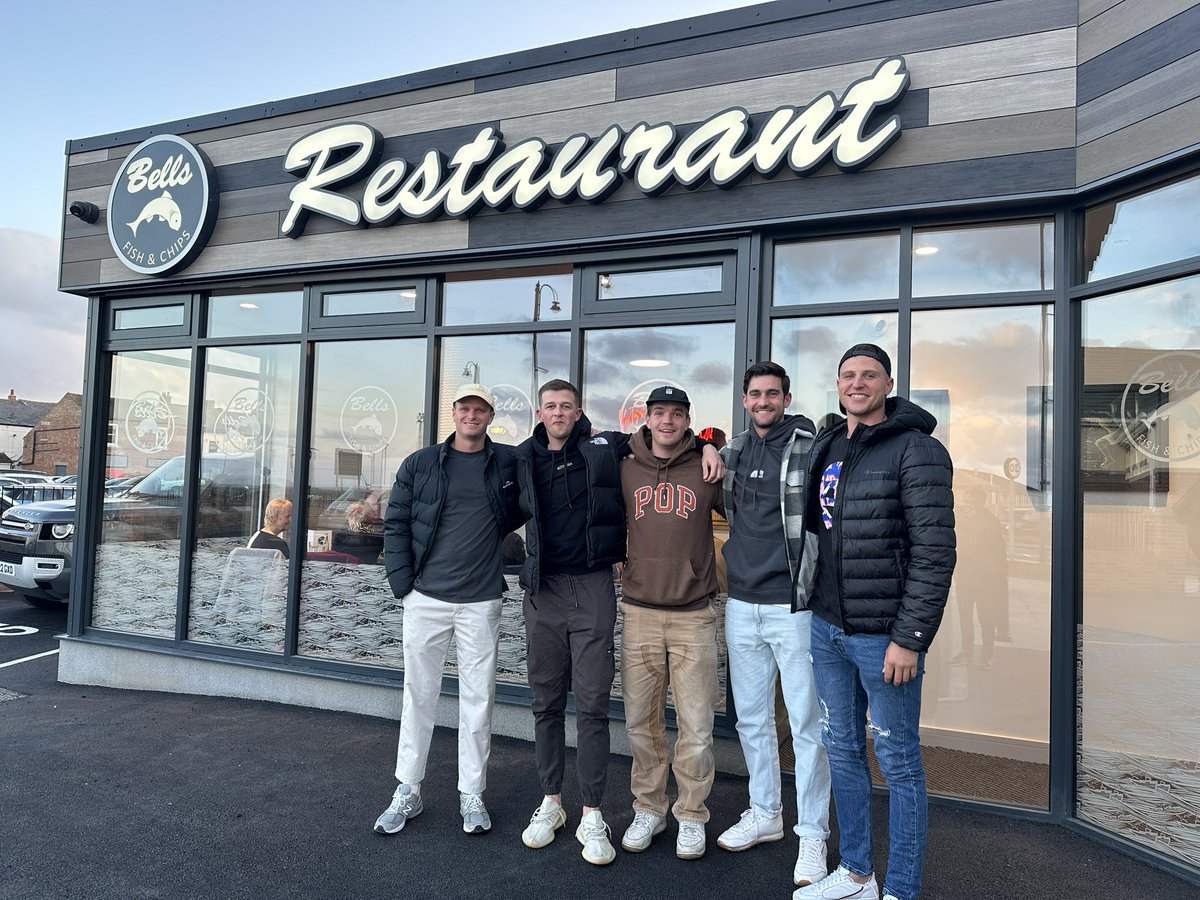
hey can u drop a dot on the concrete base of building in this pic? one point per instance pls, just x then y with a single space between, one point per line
105 665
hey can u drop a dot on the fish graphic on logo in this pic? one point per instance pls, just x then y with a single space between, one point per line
163 208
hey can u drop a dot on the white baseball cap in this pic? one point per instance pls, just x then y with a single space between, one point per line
476 390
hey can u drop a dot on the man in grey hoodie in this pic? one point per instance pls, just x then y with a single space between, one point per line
771 559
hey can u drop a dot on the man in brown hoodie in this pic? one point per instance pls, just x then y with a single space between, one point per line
670 634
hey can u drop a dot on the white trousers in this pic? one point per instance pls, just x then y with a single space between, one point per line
428 626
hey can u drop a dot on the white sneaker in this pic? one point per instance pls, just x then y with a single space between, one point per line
811 865
839 886
690 842
594 834
641 831
751 829
546 819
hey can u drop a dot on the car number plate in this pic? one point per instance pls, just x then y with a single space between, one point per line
7 568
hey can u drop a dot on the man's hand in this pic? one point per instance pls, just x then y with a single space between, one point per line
712 465
899 664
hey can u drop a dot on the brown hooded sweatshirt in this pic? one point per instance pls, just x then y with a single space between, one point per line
671 562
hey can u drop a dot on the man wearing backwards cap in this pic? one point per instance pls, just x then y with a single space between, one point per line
882 507
451 506
670 634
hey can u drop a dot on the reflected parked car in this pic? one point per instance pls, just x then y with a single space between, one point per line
355 520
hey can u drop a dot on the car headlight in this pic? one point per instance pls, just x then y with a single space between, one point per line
62 532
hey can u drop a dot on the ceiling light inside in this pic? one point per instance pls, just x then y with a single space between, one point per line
927 250
649 363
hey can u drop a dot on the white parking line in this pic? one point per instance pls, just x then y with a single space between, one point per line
27 659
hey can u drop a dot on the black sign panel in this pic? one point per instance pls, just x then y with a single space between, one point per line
163 206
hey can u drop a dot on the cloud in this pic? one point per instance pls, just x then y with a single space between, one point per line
42 332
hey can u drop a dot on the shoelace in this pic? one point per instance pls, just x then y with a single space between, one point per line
643 820
472 803
690 832
810 851
541 814
591 830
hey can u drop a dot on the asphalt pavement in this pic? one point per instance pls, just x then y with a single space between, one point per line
127 794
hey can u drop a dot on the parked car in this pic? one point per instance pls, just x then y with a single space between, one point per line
24 475
17 493
37 539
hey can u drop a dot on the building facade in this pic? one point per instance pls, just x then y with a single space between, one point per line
17 418
1004 194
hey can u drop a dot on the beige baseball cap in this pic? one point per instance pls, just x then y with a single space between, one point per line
476 390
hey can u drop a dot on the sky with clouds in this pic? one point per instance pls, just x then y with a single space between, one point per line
76 69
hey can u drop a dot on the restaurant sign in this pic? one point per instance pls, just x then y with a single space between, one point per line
723 149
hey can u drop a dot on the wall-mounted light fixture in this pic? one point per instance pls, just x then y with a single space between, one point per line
88 212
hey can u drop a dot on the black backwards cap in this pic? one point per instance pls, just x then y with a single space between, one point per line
874 351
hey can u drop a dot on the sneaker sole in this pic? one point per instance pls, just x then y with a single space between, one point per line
548 841
689 854
762 840
634 848
475 829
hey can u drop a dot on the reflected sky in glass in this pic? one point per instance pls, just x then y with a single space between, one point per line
659 282
810 348
699 359
830 271
993 259
527 296
240 315
1148 230
364 303
1165 315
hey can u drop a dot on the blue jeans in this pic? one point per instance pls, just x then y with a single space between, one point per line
849 676
765 640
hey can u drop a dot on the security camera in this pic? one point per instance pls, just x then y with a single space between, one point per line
88 212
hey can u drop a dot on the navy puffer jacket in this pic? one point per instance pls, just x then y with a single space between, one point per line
893 525
415 507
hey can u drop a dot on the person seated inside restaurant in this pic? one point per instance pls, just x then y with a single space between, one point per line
277 519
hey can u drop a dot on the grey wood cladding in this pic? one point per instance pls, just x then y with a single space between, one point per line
991 112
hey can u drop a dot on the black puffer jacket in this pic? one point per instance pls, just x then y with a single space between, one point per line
605 512
415 507
893 525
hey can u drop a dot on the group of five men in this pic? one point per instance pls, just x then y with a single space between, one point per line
839 561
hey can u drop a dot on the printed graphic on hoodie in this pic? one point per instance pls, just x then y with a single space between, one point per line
828 491
668 498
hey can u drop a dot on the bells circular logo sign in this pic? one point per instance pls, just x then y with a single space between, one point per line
150 423
1160 408
514 414
368 419
247 422
162 206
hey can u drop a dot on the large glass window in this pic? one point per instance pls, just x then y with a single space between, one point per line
368 414
238 593
810 348
1151 229
983 259
136 582
1138 766
242 315
985 375
514 366
508 295
857 268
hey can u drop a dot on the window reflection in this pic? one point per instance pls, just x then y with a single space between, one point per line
508 295
148 317
238 594
137 558
1151 229
1139 744
983 260
242 315
368 414
365 303
659 282
810 348
860 268
513 366
987 680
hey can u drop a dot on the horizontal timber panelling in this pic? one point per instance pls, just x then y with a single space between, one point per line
1089 9
1002 96
1157 47
804 22
867 190
1126 20
1175 129
930 69
91 156
986 22
1151 94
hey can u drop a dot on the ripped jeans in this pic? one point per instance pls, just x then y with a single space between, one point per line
848 670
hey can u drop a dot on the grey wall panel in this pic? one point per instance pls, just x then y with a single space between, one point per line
632 52
243 229
1157 47
1054 89
981 139
270 198
451 113
1089 9
1168 132
91 156
1160 90
94 246
1126 20
80 273
1004 18
93 174
869 190
930 69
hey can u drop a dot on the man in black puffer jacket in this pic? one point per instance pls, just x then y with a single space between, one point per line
882 507
451 507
